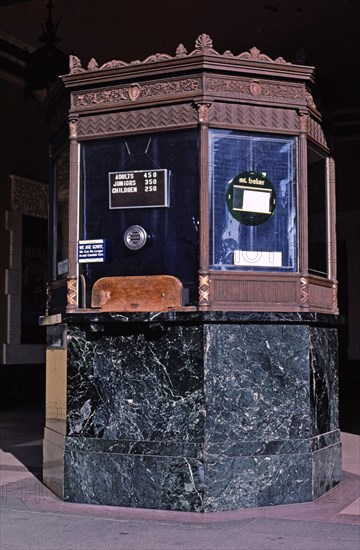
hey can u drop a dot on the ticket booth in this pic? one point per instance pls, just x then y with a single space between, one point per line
191 313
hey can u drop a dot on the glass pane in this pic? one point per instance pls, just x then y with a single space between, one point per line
34 277
253 206
169 229
62 212
317 212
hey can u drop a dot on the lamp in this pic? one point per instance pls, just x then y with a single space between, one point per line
46 63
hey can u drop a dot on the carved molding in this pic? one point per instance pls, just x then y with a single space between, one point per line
156 57
247 88
135 92
255 55
335 297
93 65
253 291
137 120
181 51
315 131
310 100
304 122
75 65
204 289
255 88
29 197
203 46
73 128
254 117
304 292
72 292
48 299
203 111
332 172
237 88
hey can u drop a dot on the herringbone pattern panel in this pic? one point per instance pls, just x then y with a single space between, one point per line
254 117
160 117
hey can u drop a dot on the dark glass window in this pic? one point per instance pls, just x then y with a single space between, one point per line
34 277
253 201
317 196
61 215
172 231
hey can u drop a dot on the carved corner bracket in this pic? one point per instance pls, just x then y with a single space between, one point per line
203 111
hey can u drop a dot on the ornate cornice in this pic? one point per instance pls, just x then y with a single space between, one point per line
240 88
203 46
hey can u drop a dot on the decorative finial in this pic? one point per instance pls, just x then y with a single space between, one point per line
75 65
93 64
204 44
181 51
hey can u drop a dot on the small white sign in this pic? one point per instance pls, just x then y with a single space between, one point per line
91 251
257 258
256 201
63 267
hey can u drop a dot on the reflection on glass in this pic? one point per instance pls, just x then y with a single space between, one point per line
172 229
34 277
258 230
317 184
62 208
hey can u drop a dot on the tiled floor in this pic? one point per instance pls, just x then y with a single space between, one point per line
34 519
21 463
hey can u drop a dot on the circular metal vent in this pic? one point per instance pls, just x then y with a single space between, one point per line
135 237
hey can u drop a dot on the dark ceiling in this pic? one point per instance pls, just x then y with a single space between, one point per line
323 33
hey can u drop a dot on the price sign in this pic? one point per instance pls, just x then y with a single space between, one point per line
138 189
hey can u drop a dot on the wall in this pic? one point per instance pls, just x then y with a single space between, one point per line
23 160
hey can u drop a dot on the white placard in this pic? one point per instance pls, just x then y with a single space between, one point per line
256 201
257 258
91 251
63 267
